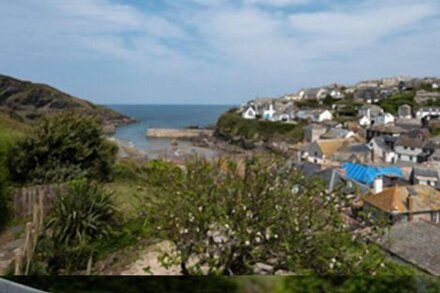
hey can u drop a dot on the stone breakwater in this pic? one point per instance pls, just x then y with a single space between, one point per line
178 133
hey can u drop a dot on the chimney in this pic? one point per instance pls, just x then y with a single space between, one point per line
378 185
410 200
410 203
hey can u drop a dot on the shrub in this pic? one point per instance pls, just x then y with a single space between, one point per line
63 147
4 192
81 218
7 139
228 218
233 127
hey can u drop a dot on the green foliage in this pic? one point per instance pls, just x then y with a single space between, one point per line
435 131
234 128
224 218
328 101
81 218
63 147
309 104
392 104
4 188
7 140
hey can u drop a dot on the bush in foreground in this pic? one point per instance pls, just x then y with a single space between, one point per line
81 218
259 217
63 147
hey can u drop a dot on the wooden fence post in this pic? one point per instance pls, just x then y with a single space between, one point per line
41 208
18 257
27 238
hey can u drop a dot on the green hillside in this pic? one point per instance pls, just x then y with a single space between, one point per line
27 102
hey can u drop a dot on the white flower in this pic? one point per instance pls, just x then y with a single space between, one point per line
200 208
226 226
247 243
257 239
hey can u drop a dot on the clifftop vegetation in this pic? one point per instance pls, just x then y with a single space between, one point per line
248 133
28 102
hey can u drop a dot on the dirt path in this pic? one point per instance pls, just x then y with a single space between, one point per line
148 263
10 240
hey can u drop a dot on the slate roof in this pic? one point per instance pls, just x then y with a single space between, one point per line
356 148
388 128
308 169
394 199
410 142
416 243
334 133
366 174
424 172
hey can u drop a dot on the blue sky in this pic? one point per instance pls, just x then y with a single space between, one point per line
214 51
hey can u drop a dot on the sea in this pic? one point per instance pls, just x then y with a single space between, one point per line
163 116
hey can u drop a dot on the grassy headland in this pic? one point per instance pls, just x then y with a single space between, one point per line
249 133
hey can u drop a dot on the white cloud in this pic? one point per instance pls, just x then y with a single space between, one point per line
278 3
239 49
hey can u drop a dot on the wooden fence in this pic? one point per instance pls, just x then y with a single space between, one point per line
32 203
25 199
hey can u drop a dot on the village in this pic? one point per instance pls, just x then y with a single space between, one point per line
390 160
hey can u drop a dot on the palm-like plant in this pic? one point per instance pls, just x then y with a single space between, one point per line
81 216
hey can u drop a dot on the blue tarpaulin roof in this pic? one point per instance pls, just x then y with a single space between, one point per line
366 174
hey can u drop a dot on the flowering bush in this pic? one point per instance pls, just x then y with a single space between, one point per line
255 217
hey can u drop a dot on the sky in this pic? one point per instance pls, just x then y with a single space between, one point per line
214 51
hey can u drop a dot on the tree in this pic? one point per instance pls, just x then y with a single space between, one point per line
233 219
328 100
82 216
63 147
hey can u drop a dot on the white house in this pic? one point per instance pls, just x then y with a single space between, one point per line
268 114
423 112
384 118
364 121
337 94
250 113
435 86
370 111
381 150
322 115
405 112
294 97
415 147
322 93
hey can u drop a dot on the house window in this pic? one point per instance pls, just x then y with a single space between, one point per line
429 182
399 156
413 149
410 158
316 154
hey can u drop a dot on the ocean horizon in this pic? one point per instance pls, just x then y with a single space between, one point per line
163 116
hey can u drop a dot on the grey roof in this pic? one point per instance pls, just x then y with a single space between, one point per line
381 142
335 133
358 148
425 172
416 243
308 169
